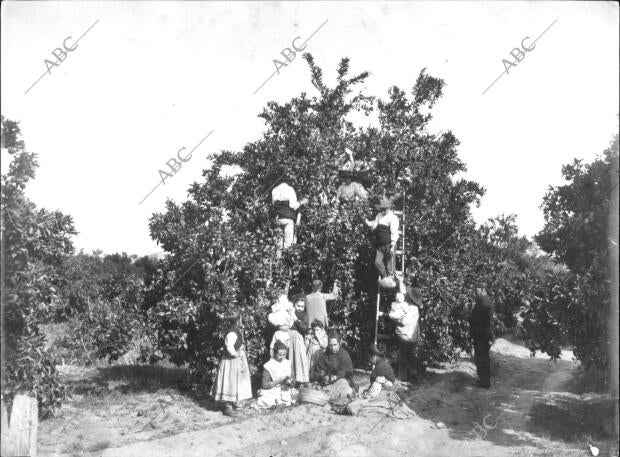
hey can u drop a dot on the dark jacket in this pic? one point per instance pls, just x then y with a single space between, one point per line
301 324
338 364
382 368
480 320
383 235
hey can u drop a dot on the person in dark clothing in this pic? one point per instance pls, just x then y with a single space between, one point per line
481 333
382 366
334 363
334 367
302 324
382 375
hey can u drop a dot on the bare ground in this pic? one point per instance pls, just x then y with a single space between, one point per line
534 408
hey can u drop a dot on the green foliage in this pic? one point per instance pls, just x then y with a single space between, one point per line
34 243
107 328
576 214
221 240
84 278
544 312
101 297
576 233
29 368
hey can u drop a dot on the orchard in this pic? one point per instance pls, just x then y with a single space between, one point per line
221 255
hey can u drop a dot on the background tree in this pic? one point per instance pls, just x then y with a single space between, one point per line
576 233
84 278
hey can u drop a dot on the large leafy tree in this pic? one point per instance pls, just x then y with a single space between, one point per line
221 240
577 233
35 242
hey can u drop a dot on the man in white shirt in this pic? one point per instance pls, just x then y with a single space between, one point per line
386 236
284 200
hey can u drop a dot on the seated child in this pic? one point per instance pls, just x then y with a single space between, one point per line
382 375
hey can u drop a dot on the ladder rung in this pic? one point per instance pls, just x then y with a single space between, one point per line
399 252
385 336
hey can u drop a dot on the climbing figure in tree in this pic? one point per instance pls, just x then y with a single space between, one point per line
284 199
352 188
385 226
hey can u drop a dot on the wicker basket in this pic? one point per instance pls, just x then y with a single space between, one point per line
313 396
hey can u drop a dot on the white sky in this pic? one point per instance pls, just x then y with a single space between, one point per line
152 77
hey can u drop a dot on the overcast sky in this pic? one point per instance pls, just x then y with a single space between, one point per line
152 77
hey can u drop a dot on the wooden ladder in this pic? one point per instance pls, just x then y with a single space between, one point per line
398 262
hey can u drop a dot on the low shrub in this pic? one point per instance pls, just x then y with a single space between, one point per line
106 329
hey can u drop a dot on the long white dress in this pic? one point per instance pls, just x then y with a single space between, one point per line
233 382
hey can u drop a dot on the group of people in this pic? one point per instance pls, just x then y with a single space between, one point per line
304 351
301 351
385 225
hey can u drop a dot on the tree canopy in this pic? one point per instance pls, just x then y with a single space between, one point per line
221 240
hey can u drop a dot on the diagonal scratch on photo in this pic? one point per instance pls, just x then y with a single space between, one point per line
284 229
518 54
60 54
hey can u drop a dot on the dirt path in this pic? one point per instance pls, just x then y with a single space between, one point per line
527 412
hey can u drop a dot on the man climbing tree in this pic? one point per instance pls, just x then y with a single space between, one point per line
385 226
284 199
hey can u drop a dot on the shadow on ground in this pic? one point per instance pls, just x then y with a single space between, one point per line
132 379
526 403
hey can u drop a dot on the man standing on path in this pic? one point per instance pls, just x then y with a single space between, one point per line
385 226
316 305
482 333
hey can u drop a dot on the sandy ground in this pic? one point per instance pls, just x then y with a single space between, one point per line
534 408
